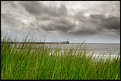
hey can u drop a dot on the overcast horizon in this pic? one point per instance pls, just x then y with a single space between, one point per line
56 21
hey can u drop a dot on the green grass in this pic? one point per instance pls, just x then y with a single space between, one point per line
37 64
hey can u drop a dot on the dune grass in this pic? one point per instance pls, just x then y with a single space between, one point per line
23 62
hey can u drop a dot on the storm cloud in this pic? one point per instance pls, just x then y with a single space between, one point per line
109 23
62 18
38 8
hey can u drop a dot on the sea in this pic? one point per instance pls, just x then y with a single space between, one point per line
98 50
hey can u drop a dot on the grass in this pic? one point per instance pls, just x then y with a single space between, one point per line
38 64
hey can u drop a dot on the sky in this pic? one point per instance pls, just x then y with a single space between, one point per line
55 21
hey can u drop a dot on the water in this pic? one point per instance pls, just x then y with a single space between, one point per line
101 50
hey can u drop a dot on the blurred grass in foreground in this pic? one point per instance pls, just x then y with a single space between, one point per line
38 64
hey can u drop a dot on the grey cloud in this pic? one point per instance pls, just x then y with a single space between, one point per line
37 8
52 18
113 23
13 23
84 32
13 3
59 24
10 20
96 17
58 16
110 23
95 24
32 7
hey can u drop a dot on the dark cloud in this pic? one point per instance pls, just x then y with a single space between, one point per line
112 23
59 25
35 16
109 23
96 24
33 7
56 16
84 32
37 8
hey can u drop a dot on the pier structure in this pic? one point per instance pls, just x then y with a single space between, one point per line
64 42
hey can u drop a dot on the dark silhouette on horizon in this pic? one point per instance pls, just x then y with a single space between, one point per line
64 42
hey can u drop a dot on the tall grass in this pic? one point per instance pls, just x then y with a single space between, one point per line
23 62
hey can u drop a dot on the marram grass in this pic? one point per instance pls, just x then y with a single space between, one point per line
23 62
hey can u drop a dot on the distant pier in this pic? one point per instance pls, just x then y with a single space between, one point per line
64 42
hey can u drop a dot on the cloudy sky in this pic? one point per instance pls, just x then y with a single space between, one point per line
76 21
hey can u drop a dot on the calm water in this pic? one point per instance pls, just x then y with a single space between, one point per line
98 49
88 46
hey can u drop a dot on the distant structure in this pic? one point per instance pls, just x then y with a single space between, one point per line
64 42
